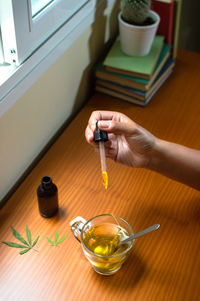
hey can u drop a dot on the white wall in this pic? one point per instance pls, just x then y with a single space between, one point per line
27 127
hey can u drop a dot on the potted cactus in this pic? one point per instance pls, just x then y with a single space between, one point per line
137 26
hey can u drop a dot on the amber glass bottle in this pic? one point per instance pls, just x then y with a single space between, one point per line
47 193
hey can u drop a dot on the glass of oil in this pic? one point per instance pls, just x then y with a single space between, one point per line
99 238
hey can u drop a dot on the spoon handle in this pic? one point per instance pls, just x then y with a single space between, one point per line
145 231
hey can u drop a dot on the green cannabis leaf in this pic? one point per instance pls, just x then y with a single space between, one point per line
56 241
25 245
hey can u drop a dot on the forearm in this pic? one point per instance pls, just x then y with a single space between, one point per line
177 162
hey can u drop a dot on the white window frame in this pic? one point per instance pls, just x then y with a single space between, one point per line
1 51
22 33
18 79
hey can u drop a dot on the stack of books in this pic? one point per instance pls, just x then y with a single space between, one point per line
137 79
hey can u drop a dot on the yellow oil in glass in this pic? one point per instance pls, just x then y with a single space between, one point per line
103 240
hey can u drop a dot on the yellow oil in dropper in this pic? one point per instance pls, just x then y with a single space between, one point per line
103 164
101 137
105 179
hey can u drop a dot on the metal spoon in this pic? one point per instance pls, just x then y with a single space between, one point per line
145 231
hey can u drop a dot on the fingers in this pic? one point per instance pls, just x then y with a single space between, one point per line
112 122
96 116
126 127
89 135
101 115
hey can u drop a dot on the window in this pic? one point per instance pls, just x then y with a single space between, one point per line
1 51
38 5
34 34
26 24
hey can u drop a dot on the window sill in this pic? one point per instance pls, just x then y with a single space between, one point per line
16 80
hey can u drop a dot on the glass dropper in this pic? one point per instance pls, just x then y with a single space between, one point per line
103 164
101 137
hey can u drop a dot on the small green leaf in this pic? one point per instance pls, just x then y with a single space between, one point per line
56 242
14 245
61 240
28 234
49 240
18 236
24 251
56 236
35 241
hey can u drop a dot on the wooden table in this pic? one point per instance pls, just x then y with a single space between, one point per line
163 265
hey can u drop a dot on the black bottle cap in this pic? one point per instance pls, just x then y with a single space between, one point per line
100 135
46 182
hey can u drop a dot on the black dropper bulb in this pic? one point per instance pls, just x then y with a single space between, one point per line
100 135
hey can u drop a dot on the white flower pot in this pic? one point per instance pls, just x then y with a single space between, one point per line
136 40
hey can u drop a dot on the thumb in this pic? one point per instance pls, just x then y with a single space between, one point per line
119 128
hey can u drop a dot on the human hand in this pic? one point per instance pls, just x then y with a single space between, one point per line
128 143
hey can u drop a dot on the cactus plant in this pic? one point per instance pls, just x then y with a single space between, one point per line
135 11
138 25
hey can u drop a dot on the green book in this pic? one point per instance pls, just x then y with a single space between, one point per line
140 66
135 82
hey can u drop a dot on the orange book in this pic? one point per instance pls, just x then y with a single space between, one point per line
165 9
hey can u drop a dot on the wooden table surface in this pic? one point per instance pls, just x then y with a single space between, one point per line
163 265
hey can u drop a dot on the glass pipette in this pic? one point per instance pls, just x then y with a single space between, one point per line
101 137
103 164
